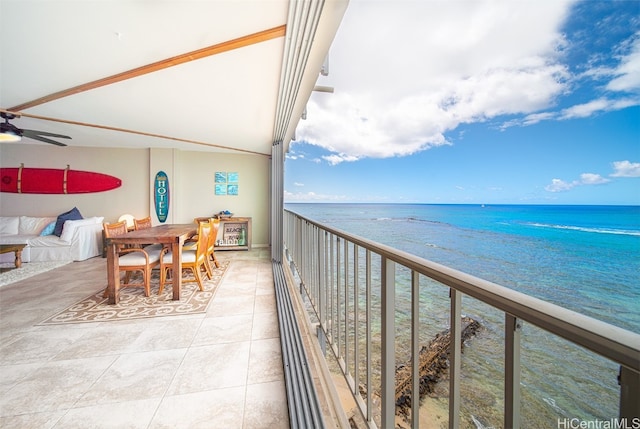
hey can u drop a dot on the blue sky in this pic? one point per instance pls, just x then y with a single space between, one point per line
487 102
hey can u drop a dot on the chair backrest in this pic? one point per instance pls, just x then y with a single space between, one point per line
204 232
114 229
215 225
142 223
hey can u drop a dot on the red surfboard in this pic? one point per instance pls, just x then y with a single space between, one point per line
23 180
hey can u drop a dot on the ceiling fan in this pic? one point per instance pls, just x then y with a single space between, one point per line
9 132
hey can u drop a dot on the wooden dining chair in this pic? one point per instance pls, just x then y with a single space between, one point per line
191 242
194 260
131 260
145 223
210 252
211 255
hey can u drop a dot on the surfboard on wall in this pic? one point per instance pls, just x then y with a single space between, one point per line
161 195
24 180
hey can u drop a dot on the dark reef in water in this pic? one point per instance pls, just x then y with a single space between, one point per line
434 364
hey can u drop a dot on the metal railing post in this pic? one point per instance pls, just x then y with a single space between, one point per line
455 358
356 320
388 330
512 333
369 413
629 394
415 350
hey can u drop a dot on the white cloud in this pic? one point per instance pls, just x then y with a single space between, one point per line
335 159
624 78
298 184
585 110
627 75
406 73
626 169
558 185
592 179
597 106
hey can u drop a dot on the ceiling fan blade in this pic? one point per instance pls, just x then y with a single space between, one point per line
30 133
35 136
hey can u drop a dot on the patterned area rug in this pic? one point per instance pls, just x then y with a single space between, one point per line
134 305
28 269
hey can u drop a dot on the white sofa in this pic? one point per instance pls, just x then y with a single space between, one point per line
79 240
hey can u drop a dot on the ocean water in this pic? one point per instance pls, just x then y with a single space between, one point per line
584 258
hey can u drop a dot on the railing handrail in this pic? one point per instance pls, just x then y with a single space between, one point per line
612 342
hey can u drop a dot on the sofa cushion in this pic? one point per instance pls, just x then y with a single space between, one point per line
48 230
15 239
70 226
9 225
73 214
33 225
47 241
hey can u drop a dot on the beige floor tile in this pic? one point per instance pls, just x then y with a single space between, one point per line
45 420
264 303
265 361
135 376
266 406
212 367
37 346
215 409
168 333
54 386
242 275
101 342
265 325
237 288
10 375
217 330
135 414
230 306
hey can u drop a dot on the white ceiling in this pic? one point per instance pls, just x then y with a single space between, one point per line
228 99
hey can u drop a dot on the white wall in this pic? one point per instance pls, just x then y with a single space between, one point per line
191 177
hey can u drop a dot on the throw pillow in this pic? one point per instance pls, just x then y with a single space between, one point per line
73 214
48 230
9 225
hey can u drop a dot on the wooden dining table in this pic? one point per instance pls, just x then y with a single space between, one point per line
172 236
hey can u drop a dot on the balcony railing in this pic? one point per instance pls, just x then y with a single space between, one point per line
349 282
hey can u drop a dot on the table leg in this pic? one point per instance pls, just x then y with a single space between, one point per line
176 251
18 258
113 274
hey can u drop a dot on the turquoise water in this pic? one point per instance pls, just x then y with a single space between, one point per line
585 258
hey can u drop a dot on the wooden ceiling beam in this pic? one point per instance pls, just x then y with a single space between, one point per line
124 130
229 45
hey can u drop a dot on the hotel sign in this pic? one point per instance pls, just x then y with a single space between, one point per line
161 194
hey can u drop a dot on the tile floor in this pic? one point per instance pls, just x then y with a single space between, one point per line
222 369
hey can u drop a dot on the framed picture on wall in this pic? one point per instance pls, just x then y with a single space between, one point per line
221 177
226 183
221 189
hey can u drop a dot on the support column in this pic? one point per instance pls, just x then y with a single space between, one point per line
277 201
